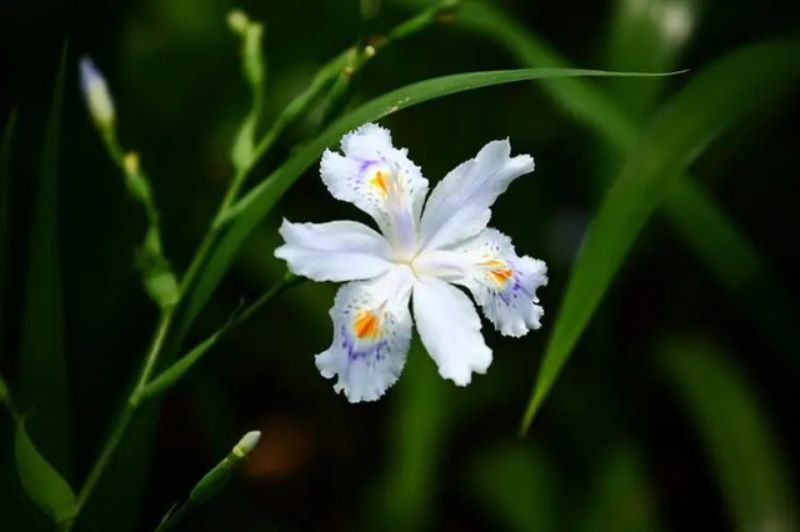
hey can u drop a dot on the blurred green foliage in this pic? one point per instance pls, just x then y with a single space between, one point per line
611 449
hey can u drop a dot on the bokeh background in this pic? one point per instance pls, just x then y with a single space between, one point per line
677 411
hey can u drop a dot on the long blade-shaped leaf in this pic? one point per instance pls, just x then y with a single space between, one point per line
5 193
740 444
254 206
43 371
45 486
698 114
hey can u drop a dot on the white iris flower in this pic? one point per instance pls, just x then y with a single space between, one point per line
417 253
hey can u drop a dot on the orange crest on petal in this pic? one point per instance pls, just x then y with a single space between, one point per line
381 181
367 325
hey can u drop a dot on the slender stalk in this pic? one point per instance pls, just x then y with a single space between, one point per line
125 415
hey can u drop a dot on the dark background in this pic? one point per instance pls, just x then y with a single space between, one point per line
614 448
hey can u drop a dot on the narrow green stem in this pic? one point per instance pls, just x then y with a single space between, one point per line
152 355
125 415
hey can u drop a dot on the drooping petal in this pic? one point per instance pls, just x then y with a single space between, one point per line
458 207
372 330
380 180
450 328
501 282
334 251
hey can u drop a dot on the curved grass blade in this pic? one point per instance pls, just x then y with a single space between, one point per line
715 239
251 209
740 444
43 370
5 194
45 486
692 212
651 36
696 116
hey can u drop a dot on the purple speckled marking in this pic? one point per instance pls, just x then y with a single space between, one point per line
377 350
509 292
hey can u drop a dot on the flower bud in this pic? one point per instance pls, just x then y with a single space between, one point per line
215 479
238 21
247 443
95 92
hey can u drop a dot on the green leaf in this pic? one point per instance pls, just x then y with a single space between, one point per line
251 209
43 382
5 194
45 486
716 240
687 124
691 210
711 234
650 36
688 206
740 444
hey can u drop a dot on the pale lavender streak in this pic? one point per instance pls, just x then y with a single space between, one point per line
366 164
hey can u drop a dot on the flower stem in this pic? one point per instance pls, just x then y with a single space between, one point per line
124 418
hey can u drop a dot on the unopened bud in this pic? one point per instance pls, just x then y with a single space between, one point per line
238 21
247 443
369 51
95 92
215 479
